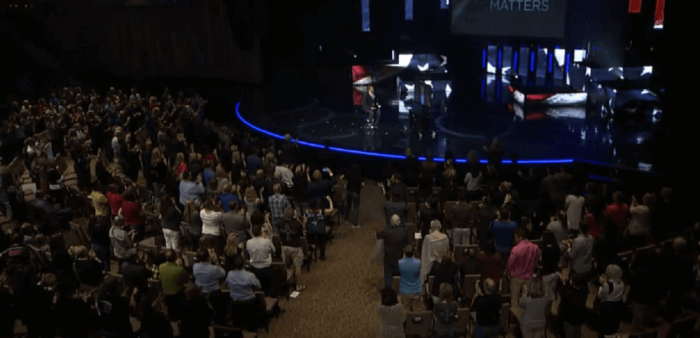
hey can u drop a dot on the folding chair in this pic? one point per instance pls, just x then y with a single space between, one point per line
283 279
625 258
270 306
412 211
463 322
419 324
309 253
469 286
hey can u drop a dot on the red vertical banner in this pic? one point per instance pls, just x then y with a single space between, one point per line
635 6
659 14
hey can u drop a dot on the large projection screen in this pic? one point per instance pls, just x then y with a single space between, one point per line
521 18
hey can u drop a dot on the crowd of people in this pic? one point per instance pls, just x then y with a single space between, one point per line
506 235
182 221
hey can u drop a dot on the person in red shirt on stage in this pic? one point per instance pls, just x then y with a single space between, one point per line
618 211
131 210
523 261
115 199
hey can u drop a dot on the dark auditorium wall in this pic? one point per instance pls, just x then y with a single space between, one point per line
154 41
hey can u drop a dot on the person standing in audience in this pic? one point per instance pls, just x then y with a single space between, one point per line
445 272
115 199
278 203
462 214
648 280
227 196
639 227
132 212
503 230
211 224
392 315
489 264
113 311
573 313
596 220
208 273
290 231
486 214
260 250
611 306
469 265
395 206
427 214
235 222
580 250
199 314
316 224
410 286
172 278
473 180
99 202
533 321
618 211
445 314
435 245
243 285
170 216
574 209
522 263
395 238
190 190
353 189
487 305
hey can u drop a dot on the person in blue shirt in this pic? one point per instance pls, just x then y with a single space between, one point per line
208 273
208 172
503 230
190 190
410 286
226 197
242 285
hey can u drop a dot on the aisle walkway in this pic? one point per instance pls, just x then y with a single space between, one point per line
341 295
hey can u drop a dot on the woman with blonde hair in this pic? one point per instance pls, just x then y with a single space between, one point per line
252 201
533 320
232 249
181 166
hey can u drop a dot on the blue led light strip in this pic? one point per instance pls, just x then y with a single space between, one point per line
515 61
483 59
532 61
568 59
390 156
551 54
500 59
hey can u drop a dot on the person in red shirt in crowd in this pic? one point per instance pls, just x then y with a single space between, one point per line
618 211
115 199
131 210
596 220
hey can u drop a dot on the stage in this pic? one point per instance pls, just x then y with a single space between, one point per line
536 135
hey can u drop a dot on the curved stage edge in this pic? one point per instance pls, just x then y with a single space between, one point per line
401 157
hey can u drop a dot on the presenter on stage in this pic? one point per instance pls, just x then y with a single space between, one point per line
371 107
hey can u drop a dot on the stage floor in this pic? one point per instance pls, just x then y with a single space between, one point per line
535 135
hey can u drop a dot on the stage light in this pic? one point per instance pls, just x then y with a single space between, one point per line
515 63
483 62
320 48
647 70
550 61
389 156
355 56
568 60
500 58
532 61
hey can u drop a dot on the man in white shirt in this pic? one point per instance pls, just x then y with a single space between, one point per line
287 174
260 250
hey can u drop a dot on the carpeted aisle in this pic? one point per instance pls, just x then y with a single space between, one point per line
341 296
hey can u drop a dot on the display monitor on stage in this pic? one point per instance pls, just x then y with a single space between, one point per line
521 18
